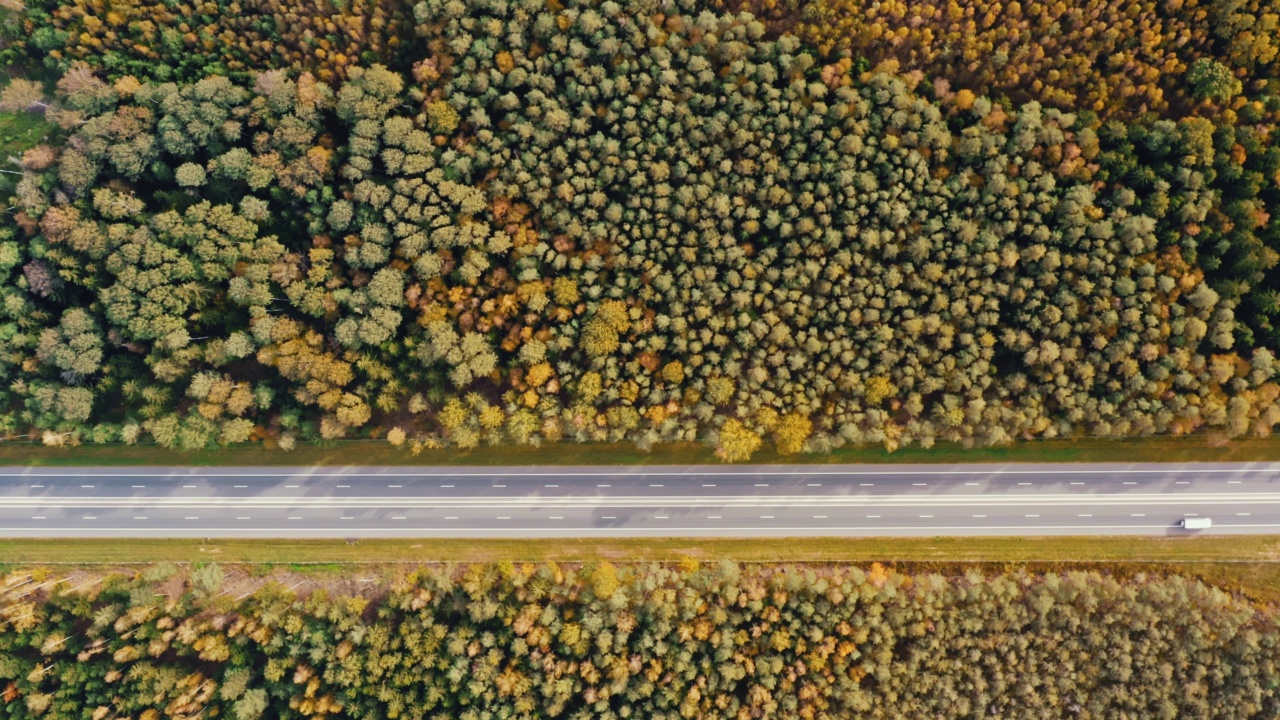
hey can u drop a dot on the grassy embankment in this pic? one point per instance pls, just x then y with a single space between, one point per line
1249 564
357 452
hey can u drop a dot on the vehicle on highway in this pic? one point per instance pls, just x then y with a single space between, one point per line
1195 523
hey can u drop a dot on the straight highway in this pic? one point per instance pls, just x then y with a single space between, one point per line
850 500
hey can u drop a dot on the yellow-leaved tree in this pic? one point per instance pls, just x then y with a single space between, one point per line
737 442
793 429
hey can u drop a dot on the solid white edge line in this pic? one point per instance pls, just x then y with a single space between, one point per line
394 471
903 500
667 531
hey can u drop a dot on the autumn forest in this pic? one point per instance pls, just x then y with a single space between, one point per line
809 223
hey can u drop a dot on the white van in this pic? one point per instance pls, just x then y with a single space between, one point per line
1195 523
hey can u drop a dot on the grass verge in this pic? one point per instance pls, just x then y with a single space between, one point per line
1246 564
368 452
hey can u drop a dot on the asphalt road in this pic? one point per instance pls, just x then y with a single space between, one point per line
775 500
